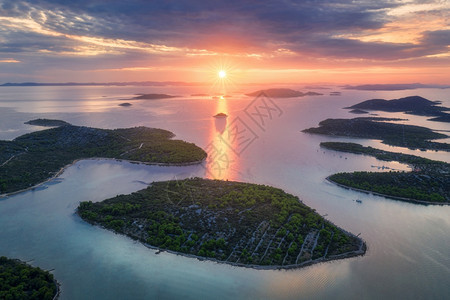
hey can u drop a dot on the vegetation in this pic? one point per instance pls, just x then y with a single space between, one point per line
428 182
396 184
47 122
282 93
414 137
379 154
33 158
152 96
231 222
414 105
21 281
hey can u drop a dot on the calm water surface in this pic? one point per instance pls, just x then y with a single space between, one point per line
409 245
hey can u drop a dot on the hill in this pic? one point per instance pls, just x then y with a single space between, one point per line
415 105
231 222
282 93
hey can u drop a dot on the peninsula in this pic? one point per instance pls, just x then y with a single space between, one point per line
35 157
282 93
410 136
230 222
19 280
427 183
414 105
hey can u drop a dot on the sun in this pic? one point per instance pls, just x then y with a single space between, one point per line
222 74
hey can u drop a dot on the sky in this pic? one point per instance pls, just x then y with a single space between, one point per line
310 41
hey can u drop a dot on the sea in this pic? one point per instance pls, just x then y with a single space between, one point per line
261 141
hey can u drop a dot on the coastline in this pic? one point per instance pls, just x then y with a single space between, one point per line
99 158
387 196
360 252
55 282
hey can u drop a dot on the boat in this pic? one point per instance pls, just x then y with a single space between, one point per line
358 201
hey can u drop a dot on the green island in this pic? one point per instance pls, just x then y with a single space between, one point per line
19 280
35 157
427 183
414 105
152 97
282 93
47 122
409 136
229 222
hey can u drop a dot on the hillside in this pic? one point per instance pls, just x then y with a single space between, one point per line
232 222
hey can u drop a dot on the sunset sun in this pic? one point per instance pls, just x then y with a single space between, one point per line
222 74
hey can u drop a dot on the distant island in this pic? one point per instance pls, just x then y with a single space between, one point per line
221 115
282 93
35 157
414 105
47 122
200 95
152 96
19 280
394 87
230 222
125 83
427 183
413 137
125 104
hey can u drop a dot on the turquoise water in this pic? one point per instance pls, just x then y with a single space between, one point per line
408 244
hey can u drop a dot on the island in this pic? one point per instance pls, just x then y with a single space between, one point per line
282 93
47 122
414 105
221 115
410 136
19 280
152 97
229 222
428 181
394 87
125 104
35 157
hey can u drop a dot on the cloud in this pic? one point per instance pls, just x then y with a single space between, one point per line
310 32
254 24
9 60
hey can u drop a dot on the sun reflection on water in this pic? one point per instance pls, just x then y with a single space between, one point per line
221 157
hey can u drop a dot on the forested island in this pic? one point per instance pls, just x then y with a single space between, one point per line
47 122
19 280
427 183
282 93
414 105
231 222
32 158
410 136
152 97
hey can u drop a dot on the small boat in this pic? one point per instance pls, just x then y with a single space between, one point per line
358 201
